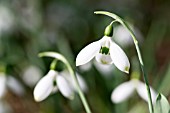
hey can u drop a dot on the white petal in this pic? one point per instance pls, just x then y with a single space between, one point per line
88 53
141 89
103 59
44 86
122 92
15 86
105 70
64 87
2 84
119 58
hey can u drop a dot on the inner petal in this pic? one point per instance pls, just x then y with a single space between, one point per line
103 59
104 50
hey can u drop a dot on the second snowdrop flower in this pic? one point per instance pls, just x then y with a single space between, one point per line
46 86
105 51
126 90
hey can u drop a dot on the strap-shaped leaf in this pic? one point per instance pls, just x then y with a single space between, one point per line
162 105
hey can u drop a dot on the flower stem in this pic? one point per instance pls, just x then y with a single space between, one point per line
72 73
120 20
83 99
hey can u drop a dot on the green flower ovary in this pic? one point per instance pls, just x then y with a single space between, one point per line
104 50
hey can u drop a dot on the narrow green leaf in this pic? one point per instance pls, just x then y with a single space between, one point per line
162 105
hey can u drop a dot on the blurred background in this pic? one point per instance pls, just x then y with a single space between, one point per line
28 27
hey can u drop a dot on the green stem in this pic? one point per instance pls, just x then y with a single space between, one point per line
62 58
120 20
83 99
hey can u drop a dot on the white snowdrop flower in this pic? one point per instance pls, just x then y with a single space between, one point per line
15 86
105 51
46 86
123 37
32 72
126 90
2 84
81 81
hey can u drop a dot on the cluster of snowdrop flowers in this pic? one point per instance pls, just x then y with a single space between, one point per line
105 51
54 81
126 90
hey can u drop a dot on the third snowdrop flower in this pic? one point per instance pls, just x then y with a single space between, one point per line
105 51
46 86
126 90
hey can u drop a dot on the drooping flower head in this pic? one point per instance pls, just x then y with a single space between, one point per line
126 90
55 81
105 51
46 86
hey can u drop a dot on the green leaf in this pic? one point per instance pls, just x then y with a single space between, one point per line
162 105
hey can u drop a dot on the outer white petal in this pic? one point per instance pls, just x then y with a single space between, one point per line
64 87
88 53
103 59
44 86
122 92
2 84
15 86
119 58
141 89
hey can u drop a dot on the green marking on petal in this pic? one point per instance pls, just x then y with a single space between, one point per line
127 69
54 83
104 50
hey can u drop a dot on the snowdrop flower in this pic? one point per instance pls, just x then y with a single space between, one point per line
15 86
126 89
81 81
105 51
12 83
46 86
